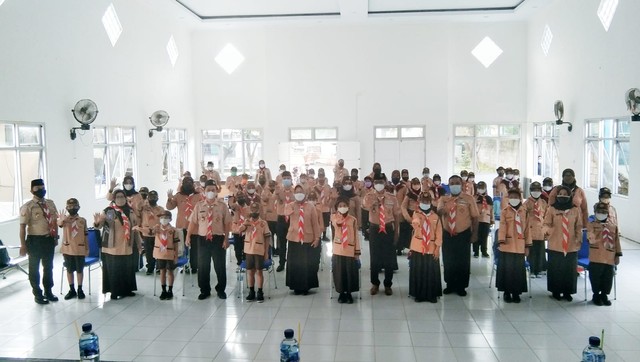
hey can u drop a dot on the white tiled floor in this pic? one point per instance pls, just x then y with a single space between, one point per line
479 327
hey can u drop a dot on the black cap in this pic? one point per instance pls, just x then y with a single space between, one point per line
535 185
87 328
210 183
500 168
166 213
569 171
547 180
153 192
594 341
604 191
288 333
144 189
37 182
73 201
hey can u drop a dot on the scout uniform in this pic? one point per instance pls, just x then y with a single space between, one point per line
149 220
75 246
304 230
346 248
604 249
284 196
536 208
579 200
263 171
166 251
240 214
256 248
404 237
324 193
268 208
424 272
485 220
513 238
186 204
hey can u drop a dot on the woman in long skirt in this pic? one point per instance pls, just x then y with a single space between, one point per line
346 252
425 282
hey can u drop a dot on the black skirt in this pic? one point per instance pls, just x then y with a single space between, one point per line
345 274
562 276
425 282
512 275
118 277
302 267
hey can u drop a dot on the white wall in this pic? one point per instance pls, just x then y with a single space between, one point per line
55 53
357 76
590 70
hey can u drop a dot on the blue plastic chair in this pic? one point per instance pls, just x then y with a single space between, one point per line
583 261
497 200
496 261
91 261
182 262
266 266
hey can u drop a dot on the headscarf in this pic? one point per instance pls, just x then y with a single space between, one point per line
563 206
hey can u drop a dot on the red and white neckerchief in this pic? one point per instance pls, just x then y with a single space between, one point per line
164 239
484 203
381 215
565 232
301 224
251 198
518 223
210 223
426 233
436 192
536 211
254 232
53 228
188 209
452 218
345 233
74 227
126 224
607 238
287 198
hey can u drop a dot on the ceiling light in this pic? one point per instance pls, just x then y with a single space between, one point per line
487 51
547 37
229 58
606 11
112 24
172 50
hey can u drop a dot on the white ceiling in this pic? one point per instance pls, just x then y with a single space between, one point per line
362 9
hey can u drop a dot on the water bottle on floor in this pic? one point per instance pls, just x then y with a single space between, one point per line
593 352
89 345
289 348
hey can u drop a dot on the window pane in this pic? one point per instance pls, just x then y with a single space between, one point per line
555 130
486 156
114 135
510 130
608 129
99 135
182 135
313 154
7 184
115 162
231 156
128 135
593 129
538 129
252 134
6 135
29 136
326 134
174 161
212 152
538 151
607 164
212 134
30 168
165 162
464 131
100 172
386 132
624 129
252 154
463 150
486 131
551 162
508 153
623 168
231 135
593 164
412 132
129 160
301 134
165 135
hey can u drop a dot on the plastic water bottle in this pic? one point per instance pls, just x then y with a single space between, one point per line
289 348
593 352
89 345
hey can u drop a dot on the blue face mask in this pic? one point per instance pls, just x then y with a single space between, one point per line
286 182
455 189
425 207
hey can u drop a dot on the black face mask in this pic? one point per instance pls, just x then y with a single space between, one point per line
254 215
153 201
354 177
40 193
144 195
262 182
73 211
395 180
187 188
405 178
377 170
563 199
241 202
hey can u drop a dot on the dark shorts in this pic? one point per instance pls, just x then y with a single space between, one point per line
74 263
254 261
165 264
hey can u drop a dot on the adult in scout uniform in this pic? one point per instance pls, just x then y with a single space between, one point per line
497 181
211 172
508 183
485 208
357 184
578 197
404 176
211 222
339 171
604 253
134 198
323 190
384 227
424 272
604 196
514 241
38 239
281 169
426 180
563 228
75 245
302 237
118 241
150 219
268 200
311 178
240 212
437 190
547 186
364 218
251 194
376 170
233 181
400 191
185 200
411 200
284 197
165 251
348 192
459 215
536 208
256 249
346 252
263 171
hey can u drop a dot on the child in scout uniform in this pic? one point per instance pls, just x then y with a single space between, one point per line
284 197
75 245
425 283
604 196
323 190
346 252
514 241
486 219
150 212
268 208
536 208
604 253
240 212
185 200
165 251
256 250
437 190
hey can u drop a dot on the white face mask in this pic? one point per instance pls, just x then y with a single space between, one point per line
251 191
211 195
536 194
437 183
128 187
425 175
164 221
202 183
465 178
261 165
210 168
547 188
601 217
425 207
343 210
509 176
481 191
514 202
299 196
378 187
472 179
347 187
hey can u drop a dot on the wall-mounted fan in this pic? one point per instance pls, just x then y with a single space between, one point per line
632 99
558 109
85 112
158 119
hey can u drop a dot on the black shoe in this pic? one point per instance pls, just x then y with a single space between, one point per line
605 300
432 300
342 298
50 296
447 290
349 298
260 296
507 297
399 252
485 255
169 295
567 297
130 294
596 300
325 238
475 255
462 293
280 268
163 295
72 294
80 293
149 272
556 296
222 295
516 298
252 296
40 299
203 296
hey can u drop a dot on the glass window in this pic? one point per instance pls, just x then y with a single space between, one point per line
301 134
227 148
412 132
174 153
486 130
115 159
545 148
464 131
326 133
482 148
386 132
607 155
6 135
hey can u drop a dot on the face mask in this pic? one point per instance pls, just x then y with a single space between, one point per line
153 201
340 164
455 189
601 217
405 178
563 199
605 200
164 221
437 182
286 182
481 191
367 184
73 211
395 180
261 165
303 181
321 181
254 215
425 175
144 195
377 170
128 187
425 207
211 195
202 183
40 193
514 202
354 177
465 178
262 182
234 173
471 179
299 196
281 170
378 187
416 187
536 194
347 187
509 176
251 191
343 210
501 174
210 168
547 188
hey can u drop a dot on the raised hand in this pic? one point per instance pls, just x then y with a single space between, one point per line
170 193
114 183
62 215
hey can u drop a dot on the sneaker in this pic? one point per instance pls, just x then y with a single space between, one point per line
507 297
252 296
72 294
163 295
260 297
399 252
222 295
374 290
485 255
556 296
349 298
169 295
605 300
596 300
80 293
567 297
50 296
40 299
388 291
203 296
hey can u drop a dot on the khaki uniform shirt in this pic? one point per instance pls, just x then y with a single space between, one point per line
221 218
150 218
436 233
181 201
257 236
391 207
311 228
510 241
466 211
598 251
352 246
170 251
32 215
536 224
553 228
78 244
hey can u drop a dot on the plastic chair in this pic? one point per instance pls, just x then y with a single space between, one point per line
91 261
267 266
182 262
496 261
359 264
497 207
11 262
583 261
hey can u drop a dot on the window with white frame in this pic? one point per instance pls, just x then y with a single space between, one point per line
22 159
313 148
482 148
400 132
545 150
174 153
226 148
607 154
114 156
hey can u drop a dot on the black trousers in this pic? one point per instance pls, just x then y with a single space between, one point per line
537 257
281 230
601 277
149 242
456 259
211 250
365 223
238 248
404 237
382 253
40 249
483 236
193 250
273 226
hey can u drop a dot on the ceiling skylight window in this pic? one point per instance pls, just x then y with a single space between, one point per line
172 50
487 51
1 2
606 11
112 24
547 37
229 58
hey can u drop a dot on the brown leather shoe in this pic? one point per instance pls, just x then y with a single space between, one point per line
388 291
374 290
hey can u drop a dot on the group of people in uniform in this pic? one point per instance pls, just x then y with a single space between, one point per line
265 217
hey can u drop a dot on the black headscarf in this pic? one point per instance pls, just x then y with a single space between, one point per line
125 208
129 193
570 186
563 206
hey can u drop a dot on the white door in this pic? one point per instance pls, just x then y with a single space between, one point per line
400 154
